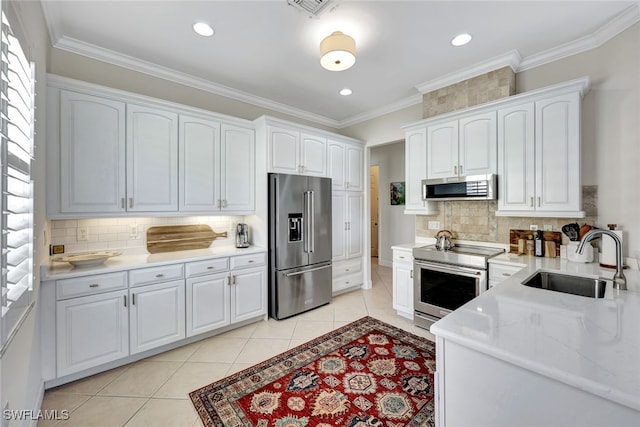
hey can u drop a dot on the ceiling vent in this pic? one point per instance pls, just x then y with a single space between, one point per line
312 7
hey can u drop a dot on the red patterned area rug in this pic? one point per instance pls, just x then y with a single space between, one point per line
364 374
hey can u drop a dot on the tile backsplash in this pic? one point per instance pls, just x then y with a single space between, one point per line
116 233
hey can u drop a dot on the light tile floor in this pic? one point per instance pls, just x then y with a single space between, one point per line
154 391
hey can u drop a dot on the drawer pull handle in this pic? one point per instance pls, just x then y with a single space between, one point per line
346 269
401 257
159 275
250 261
506 274
94 285
210 267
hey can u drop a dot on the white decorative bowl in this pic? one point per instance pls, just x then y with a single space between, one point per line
87 258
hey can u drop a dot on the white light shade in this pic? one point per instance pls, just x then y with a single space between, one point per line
461 39
337 52
203 29
346 91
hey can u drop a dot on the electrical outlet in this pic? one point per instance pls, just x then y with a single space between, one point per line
82 234
433 225
533 227
133 232
547 227
56 249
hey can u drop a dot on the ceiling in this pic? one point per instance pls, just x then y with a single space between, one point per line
267 52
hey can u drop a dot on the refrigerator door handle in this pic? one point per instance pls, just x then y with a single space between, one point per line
312 222
297 273
305 221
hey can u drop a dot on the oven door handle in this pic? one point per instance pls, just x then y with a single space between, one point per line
446 269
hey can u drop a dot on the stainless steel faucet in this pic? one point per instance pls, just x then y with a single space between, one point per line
619 281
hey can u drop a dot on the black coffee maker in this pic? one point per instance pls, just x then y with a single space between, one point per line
242 236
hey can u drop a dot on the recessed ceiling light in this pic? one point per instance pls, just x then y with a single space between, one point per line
461 39
346 91
203 29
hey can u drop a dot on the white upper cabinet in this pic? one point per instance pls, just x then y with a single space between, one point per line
415 151
462 147
238 169
92 154
199 143
539 158
111 152
313 155
345 166
442 150
152 159
478 146
293 152
516 157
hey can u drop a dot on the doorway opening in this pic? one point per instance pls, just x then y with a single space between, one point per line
374 175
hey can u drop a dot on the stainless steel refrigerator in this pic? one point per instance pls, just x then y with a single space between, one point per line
299 244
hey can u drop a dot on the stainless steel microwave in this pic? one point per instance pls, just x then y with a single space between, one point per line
472 187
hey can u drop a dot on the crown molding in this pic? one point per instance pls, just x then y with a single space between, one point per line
615 26
511 59
391 108
89 50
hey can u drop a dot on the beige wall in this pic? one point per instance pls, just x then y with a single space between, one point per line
79 67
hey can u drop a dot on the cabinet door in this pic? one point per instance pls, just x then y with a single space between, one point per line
157 315
208 305
238 152
558 153
355 224
91 331
313 152
199 142
442 150
248 294
338 225
403 287
337 168
415 147
152 159
92 154
516 158
284 150
354 172
478 150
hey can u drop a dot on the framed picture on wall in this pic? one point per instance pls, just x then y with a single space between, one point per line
397 193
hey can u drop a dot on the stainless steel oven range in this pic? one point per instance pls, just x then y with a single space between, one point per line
445 280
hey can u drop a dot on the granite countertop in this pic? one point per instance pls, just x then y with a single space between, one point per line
129 261
591 344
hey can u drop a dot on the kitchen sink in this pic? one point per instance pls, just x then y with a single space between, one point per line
576 285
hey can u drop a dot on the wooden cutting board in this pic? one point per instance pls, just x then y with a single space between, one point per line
180 238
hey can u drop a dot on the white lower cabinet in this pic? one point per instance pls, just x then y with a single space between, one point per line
346 275
207 303
501 272
237 291
156 315
403 282
91 330
90 321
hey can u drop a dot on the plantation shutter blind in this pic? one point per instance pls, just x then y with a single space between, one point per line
17 94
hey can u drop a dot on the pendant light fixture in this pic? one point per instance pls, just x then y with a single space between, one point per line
337 52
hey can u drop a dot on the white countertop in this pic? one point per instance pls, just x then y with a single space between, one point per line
591 344
62 270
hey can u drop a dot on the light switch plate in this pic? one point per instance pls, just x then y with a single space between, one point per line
82 234
433 225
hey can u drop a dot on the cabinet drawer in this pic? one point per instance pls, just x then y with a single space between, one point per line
350 266
346 282
247 261
499 272
209 266
88 285
402 256
144 276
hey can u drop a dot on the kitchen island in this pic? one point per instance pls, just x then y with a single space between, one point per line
517 355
